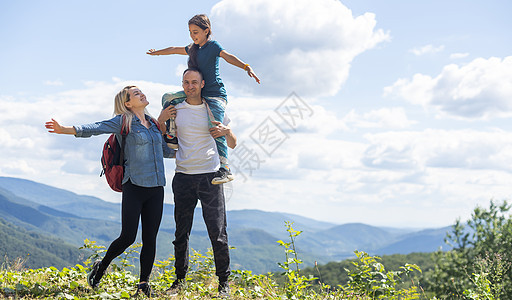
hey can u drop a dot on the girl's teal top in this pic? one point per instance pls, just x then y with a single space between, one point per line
208 64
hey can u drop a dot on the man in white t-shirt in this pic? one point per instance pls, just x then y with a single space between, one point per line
197 161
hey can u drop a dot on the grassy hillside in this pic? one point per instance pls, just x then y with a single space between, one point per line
334 273
118 283
371 278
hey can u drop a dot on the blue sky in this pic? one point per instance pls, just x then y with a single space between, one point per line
406 104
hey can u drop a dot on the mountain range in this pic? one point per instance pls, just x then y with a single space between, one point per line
62 217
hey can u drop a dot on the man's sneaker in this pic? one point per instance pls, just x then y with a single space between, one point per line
176 287
93 278
144 288
172 141
224 290
222 176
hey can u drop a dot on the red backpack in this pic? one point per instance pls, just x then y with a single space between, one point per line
112 158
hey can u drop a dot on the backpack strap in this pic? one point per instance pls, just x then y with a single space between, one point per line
124 133
156 123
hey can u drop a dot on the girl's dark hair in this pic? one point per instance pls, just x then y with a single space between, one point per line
202 22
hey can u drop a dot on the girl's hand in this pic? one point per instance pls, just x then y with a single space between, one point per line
150 52
251 73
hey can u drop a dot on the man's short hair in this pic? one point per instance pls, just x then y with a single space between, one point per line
193 70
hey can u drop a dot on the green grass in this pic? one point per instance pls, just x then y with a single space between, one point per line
368 279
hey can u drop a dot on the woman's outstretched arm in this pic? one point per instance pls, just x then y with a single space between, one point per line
55 127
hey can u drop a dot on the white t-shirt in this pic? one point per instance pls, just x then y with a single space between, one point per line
197 151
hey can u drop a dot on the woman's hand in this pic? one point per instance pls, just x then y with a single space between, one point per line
167 113
55 127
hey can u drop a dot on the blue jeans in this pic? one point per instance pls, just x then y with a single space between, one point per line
216 107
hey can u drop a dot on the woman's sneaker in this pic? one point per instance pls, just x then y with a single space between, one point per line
223 175
93 278
144 288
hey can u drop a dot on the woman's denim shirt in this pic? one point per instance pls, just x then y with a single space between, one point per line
144 149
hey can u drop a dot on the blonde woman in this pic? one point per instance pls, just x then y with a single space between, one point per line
143 182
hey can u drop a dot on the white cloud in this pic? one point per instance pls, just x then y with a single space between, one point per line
344 181
459 149
29 151
458 55
480 89
385 118
415 172
427 49
180 68
293 45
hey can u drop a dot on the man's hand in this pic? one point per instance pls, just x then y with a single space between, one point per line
219 130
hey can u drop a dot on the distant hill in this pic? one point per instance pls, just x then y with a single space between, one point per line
62 200
36 249
48 210
44 219
428 240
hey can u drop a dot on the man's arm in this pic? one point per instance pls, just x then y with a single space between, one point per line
223 130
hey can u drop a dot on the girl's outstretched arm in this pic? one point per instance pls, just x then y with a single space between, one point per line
235 61
168 51
55 127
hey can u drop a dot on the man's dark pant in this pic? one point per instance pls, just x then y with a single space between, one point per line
187 190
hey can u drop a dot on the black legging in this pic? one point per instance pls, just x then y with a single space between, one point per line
146 203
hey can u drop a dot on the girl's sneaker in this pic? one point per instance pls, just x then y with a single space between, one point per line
172 98
223 175
172 141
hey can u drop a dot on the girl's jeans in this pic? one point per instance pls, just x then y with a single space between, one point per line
216 107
